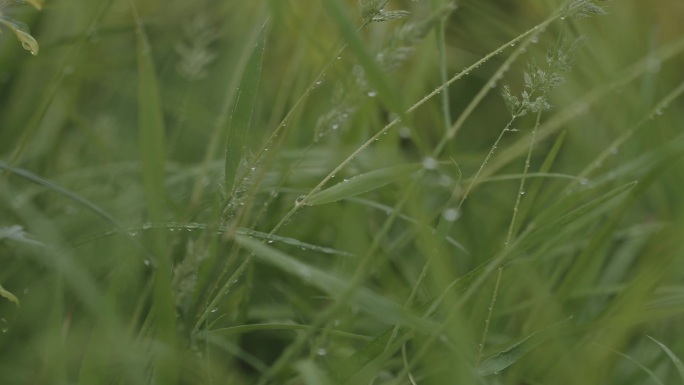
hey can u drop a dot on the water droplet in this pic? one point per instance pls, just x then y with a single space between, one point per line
214 310
430 163
146 225
269 241
299 200
451 214
335 126
405 132
147 262
522 192
445 180
321 352
372 94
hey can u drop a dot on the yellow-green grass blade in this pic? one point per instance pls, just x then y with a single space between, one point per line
11 297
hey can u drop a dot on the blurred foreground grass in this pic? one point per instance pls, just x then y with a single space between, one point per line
224 192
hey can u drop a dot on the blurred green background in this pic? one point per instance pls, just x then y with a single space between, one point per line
130 244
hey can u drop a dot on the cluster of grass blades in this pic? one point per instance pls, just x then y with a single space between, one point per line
373 192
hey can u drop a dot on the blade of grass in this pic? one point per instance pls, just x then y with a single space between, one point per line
675 360
241 119
512 354
385 90
361 184
53 88
384 309
153 158
11 297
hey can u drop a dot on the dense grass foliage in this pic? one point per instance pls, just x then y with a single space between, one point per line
341 192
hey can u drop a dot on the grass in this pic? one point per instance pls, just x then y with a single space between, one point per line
341 192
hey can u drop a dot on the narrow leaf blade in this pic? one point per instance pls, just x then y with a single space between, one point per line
371 302
675 360
361 184
11 297
241 118
515 352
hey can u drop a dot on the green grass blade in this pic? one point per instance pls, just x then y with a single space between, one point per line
555 225
375 304
377 79
675 360
152 139
280 326
515 352
241 119
11 297
151 128
361 184
62 191
343 370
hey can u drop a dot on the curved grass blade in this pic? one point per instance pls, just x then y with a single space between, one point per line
556 225
515 352
341 372
361 184
192 226
22 32
675 360
371 302
20 172
241 118
11 297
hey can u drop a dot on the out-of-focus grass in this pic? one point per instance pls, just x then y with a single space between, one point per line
335 192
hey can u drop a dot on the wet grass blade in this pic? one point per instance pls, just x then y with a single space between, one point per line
241 119
384 309
361 184
375 75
